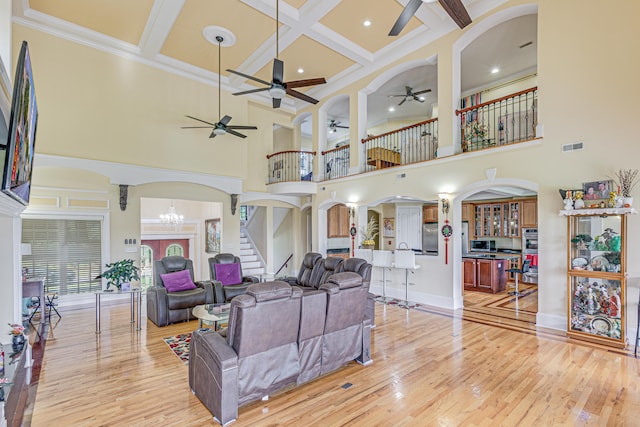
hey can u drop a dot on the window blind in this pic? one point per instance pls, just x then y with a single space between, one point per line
66 252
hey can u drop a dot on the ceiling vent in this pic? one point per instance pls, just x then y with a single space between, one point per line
573 147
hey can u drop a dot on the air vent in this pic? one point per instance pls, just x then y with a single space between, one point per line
401 175
573 147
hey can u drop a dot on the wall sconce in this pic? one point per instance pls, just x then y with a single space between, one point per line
444 199
352 210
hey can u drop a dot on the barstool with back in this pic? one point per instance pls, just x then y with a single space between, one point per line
384 260
405 259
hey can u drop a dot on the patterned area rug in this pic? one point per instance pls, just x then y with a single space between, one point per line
179 344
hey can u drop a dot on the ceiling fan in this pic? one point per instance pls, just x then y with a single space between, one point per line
277 87
454 8
222 127
334 125
411 95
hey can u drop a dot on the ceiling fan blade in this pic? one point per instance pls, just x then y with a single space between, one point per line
251 91
402 102
242 127
191 117
420 92
233 132
342 127
301 96
195 127
225 120
307 82
393 96
276 102
247 76
409 10
278 70
457 11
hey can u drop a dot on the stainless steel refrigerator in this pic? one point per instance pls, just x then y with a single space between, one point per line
430 238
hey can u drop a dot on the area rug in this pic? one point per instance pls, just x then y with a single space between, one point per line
179 344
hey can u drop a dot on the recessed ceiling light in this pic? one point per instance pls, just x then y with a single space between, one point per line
495 70
300 70
392 109
366 23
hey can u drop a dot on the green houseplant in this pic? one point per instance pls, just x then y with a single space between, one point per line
120 272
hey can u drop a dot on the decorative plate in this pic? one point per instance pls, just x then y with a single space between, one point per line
601 325
579 263
599 263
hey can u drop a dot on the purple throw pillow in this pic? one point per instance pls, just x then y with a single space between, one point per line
228 274
178 281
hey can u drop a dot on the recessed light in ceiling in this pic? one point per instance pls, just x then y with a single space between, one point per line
495 70
366 23
300 70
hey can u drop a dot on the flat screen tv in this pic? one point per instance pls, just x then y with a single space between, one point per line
21 138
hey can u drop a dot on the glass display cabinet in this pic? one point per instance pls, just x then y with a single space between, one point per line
596 275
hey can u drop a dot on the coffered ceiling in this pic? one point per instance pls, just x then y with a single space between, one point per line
324 38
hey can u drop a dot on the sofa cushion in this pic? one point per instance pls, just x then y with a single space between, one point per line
346 279
178 281
228 274
186 299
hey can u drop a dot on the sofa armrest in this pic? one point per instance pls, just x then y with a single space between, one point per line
213 374
252 279
218 292
207 285
157 310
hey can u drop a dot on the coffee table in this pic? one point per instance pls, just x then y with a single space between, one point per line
214 313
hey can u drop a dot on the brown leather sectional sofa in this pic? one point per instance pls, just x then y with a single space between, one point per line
279 335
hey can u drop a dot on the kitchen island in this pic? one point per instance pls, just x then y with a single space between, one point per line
485 272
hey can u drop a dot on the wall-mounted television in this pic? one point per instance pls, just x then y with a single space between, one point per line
21 138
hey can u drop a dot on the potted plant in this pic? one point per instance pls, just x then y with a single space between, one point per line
369 232
120 272
626 179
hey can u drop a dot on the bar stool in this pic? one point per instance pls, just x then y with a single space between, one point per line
406 259
384 260
518 271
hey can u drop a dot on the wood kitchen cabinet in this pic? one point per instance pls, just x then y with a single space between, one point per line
467 212
529 213
497 219
338 221
430 213
484 275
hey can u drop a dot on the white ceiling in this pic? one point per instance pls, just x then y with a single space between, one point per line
326 38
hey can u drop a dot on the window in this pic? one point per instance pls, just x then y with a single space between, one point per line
66 252
175 249
146 262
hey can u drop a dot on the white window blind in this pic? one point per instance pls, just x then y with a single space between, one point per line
66 252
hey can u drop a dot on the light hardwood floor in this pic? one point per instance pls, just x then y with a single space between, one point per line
428 369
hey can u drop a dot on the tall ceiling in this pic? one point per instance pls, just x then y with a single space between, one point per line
324 38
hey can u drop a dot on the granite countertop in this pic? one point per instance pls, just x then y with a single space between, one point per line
489 256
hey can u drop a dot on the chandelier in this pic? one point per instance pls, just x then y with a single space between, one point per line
172 217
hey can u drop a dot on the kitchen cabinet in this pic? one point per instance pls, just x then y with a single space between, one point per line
484 275
529 213
596 275
338 221
430 213
497 219
467 212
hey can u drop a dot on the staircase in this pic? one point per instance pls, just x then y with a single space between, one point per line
251 263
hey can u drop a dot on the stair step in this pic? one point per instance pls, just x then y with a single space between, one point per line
246 252
253 271
253 264
246 246
248 258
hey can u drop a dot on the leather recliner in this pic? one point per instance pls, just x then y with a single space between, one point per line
258 356
363 268
164 307
310 262
225 293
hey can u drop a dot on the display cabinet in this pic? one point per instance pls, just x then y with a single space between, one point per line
596 275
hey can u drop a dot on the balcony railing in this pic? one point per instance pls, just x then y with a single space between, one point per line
288 166
503 121
336 162
411 144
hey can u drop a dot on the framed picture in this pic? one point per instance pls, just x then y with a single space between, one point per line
597 189
212 235
389 229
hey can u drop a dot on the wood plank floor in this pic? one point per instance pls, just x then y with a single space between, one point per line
430 368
